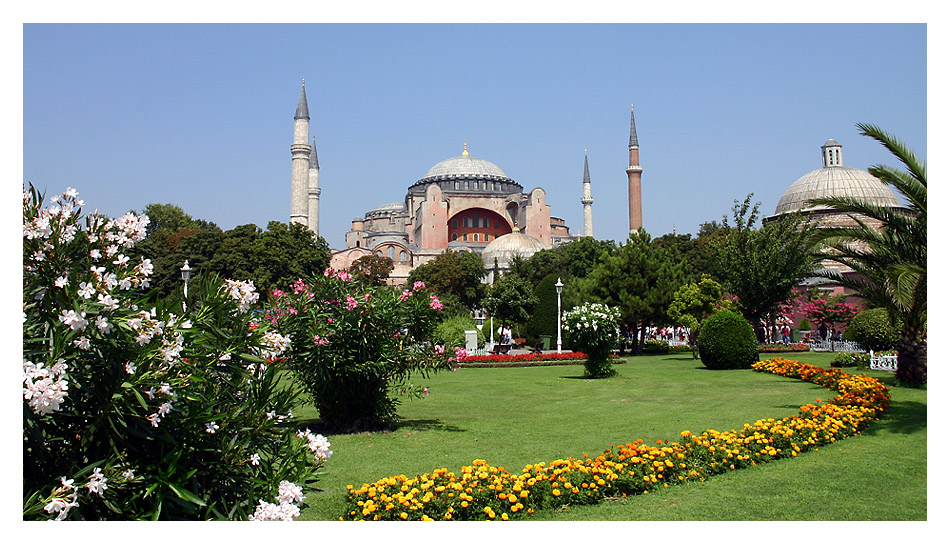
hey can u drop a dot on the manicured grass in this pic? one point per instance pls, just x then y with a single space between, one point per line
514 416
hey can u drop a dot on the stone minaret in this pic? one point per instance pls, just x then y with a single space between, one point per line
587 200
633 178
300 170
313 205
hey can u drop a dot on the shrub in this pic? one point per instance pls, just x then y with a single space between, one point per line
354 346
843 360
451 331
873 330
594 329
727 341
653 346
133 411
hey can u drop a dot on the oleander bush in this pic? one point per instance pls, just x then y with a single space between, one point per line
134 410
353 347
595 330
727 341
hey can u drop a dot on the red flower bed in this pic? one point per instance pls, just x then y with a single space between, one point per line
525 357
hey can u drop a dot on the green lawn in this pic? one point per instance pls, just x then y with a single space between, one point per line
514 416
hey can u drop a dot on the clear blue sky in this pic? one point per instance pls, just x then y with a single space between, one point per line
201 115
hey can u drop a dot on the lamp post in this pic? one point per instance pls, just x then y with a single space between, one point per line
185 275
559 286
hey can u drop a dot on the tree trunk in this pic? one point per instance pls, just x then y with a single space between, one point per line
912 358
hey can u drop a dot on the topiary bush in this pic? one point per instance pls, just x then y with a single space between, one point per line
727 341
873 330
655 346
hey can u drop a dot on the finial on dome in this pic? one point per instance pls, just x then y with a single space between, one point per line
515 229
465 149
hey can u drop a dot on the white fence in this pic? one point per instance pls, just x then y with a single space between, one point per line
883 362
837 346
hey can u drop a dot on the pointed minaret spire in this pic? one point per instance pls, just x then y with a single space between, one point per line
314 163
633 178
587 201
633 130
302 111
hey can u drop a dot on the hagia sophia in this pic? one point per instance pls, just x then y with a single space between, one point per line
466 203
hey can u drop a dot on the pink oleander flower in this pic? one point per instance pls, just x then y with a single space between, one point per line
435 303
425 391
418 285
351 303
320 341
406 293
460 354
439 349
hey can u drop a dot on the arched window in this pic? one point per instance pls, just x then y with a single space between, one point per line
455 236
455 223
475 237
391 252
403 257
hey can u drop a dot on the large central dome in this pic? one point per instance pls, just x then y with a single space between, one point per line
465 166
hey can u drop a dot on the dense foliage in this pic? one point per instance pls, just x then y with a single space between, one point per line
140 411
354 346
762 266
271 258
726 341
510 300
454 277
890 260
450 332
637 278
543 320
874 330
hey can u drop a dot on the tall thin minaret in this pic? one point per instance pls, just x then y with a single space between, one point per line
313 207
300 163
633 178
587 200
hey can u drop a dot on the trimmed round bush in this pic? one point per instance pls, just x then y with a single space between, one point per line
873 330
726 341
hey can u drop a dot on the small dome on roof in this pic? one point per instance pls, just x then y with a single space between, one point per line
505 248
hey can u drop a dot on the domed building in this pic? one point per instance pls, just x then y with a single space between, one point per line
834 179
462 203
498 255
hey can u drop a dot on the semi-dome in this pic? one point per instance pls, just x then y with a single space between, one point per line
505 248
833 179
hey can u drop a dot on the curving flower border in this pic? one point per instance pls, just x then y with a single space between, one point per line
485 492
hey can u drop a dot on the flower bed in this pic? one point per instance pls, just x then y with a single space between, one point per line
484 492
783 348
527 359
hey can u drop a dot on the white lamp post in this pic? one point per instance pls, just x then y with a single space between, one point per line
559 286
185 275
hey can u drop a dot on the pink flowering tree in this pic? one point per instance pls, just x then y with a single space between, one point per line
354 347
820 310
140 411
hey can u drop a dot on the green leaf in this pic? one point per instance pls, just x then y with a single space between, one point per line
186 495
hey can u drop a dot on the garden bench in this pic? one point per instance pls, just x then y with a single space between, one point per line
883 362
500 349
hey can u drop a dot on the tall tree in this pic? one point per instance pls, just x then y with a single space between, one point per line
891 260
372 269
172 237
511 299
761 266
638 278
457 275
574 259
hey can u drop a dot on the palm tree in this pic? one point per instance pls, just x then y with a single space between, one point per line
890 260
